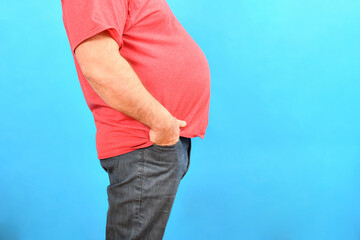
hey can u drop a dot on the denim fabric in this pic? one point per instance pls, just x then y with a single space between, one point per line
142 189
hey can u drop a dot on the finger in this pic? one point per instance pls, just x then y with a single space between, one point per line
182 123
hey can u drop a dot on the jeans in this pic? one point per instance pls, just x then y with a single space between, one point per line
142 189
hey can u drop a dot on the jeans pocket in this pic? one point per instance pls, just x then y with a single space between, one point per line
188 157
166 147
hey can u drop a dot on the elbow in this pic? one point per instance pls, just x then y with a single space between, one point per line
93 74
88 73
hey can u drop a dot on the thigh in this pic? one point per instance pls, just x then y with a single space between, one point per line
163 168
124 193
142 189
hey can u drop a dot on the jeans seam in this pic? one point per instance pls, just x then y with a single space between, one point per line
139 188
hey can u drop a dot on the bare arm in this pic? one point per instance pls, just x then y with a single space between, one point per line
114 80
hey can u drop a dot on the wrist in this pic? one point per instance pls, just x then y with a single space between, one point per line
163 121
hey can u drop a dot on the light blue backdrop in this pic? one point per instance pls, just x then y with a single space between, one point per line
281 156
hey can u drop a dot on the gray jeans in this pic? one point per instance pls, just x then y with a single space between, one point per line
142 189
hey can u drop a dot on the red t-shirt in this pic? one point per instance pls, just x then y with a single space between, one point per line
169 63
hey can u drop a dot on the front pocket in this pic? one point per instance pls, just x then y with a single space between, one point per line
166 147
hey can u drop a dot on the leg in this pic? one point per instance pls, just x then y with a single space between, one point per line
143 186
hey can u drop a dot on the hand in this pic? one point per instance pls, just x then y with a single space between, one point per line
167 135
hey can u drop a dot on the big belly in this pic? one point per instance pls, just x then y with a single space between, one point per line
179 82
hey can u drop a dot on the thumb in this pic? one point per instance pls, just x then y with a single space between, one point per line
182 123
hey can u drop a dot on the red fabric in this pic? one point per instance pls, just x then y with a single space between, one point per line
169 63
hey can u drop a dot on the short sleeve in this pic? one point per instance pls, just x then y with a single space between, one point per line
86 18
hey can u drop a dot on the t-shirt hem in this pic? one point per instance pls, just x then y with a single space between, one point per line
147 144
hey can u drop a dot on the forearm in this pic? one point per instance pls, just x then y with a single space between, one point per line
119 86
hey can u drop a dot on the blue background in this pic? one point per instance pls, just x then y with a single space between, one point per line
280 159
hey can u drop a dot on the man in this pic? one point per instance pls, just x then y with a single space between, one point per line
147 84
